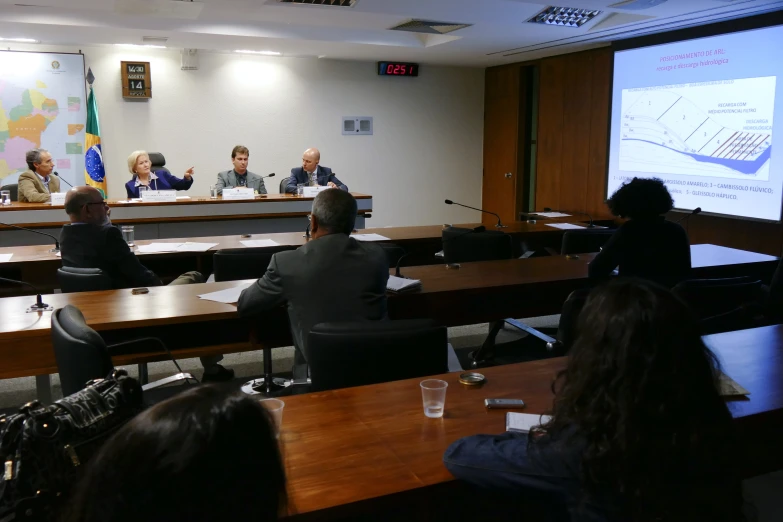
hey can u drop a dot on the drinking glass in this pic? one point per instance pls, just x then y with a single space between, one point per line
275 409
300 189
212 192
127 235
5 197
433 395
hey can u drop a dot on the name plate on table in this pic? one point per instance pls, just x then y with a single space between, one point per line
311 192
159 196
58 199
236 194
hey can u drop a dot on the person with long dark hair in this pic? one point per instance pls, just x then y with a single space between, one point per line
201 455
645 246
638 431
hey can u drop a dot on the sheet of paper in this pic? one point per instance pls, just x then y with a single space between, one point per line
395 284
257 243
158 247
524 422
183 197
4 258
369 237
195 247
551 214
565 226
729 387
228 296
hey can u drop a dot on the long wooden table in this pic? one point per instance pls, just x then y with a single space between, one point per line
475 293
364 450
194 216
35 264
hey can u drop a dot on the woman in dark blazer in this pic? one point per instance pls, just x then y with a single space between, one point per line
140 166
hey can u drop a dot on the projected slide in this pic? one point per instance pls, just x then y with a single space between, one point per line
673 129
702 115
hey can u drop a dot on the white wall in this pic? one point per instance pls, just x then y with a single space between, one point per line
427 144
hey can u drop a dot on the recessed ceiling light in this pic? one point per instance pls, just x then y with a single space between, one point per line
20 40
147 46
265 53
565 16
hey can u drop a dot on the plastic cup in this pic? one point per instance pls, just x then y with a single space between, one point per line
212 192
433 394
275 409
300 189
128 235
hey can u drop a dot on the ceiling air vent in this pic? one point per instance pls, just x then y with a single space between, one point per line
565 16
429 27
325 3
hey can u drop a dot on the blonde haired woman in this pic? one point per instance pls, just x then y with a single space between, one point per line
139 165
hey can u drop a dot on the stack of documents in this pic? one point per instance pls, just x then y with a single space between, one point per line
369 237
154 248
565 226
228 296
402 284
255 243
524 422
550 215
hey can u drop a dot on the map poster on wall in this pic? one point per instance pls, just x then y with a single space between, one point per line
42 104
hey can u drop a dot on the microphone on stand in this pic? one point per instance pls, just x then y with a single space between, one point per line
39 305
56 241
63 179
689 214
591 225
399 262
499 224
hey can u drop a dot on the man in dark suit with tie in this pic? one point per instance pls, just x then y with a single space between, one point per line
331 278
311 173
91 241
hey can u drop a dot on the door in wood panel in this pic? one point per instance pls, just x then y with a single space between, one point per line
501 140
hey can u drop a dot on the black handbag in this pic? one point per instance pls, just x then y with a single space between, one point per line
44 448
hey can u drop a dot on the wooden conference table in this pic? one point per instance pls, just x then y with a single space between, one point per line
370 450
189 216
35 264
192 327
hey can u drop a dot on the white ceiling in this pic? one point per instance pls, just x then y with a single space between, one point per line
499 33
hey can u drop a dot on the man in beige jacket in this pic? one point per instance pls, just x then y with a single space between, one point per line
36 184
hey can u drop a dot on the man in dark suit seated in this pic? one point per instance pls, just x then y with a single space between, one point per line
91 241
311 173
331 278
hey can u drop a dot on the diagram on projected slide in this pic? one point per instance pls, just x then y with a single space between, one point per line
715 129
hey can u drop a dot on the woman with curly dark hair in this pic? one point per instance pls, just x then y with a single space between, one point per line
645 246
638 431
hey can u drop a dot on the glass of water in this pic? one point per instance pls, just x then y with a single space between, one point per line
127 235
300 189
212 192
5 197
142 190
433 394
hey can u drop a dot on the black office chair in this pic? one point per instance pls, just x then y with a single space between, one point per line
233 264
341 355
463 245
74 279
284 183
584 241
393 252
13 188
82 355
724 305
158 162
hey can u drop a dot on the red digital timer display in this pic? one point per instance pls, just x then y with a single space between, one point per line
398 69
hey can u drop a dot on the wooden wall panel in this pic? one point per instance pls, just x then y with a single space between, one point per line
501 127
597 163
577 101
550 138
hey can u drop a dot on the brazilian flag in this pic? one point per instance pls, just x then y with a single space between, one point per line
94 172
